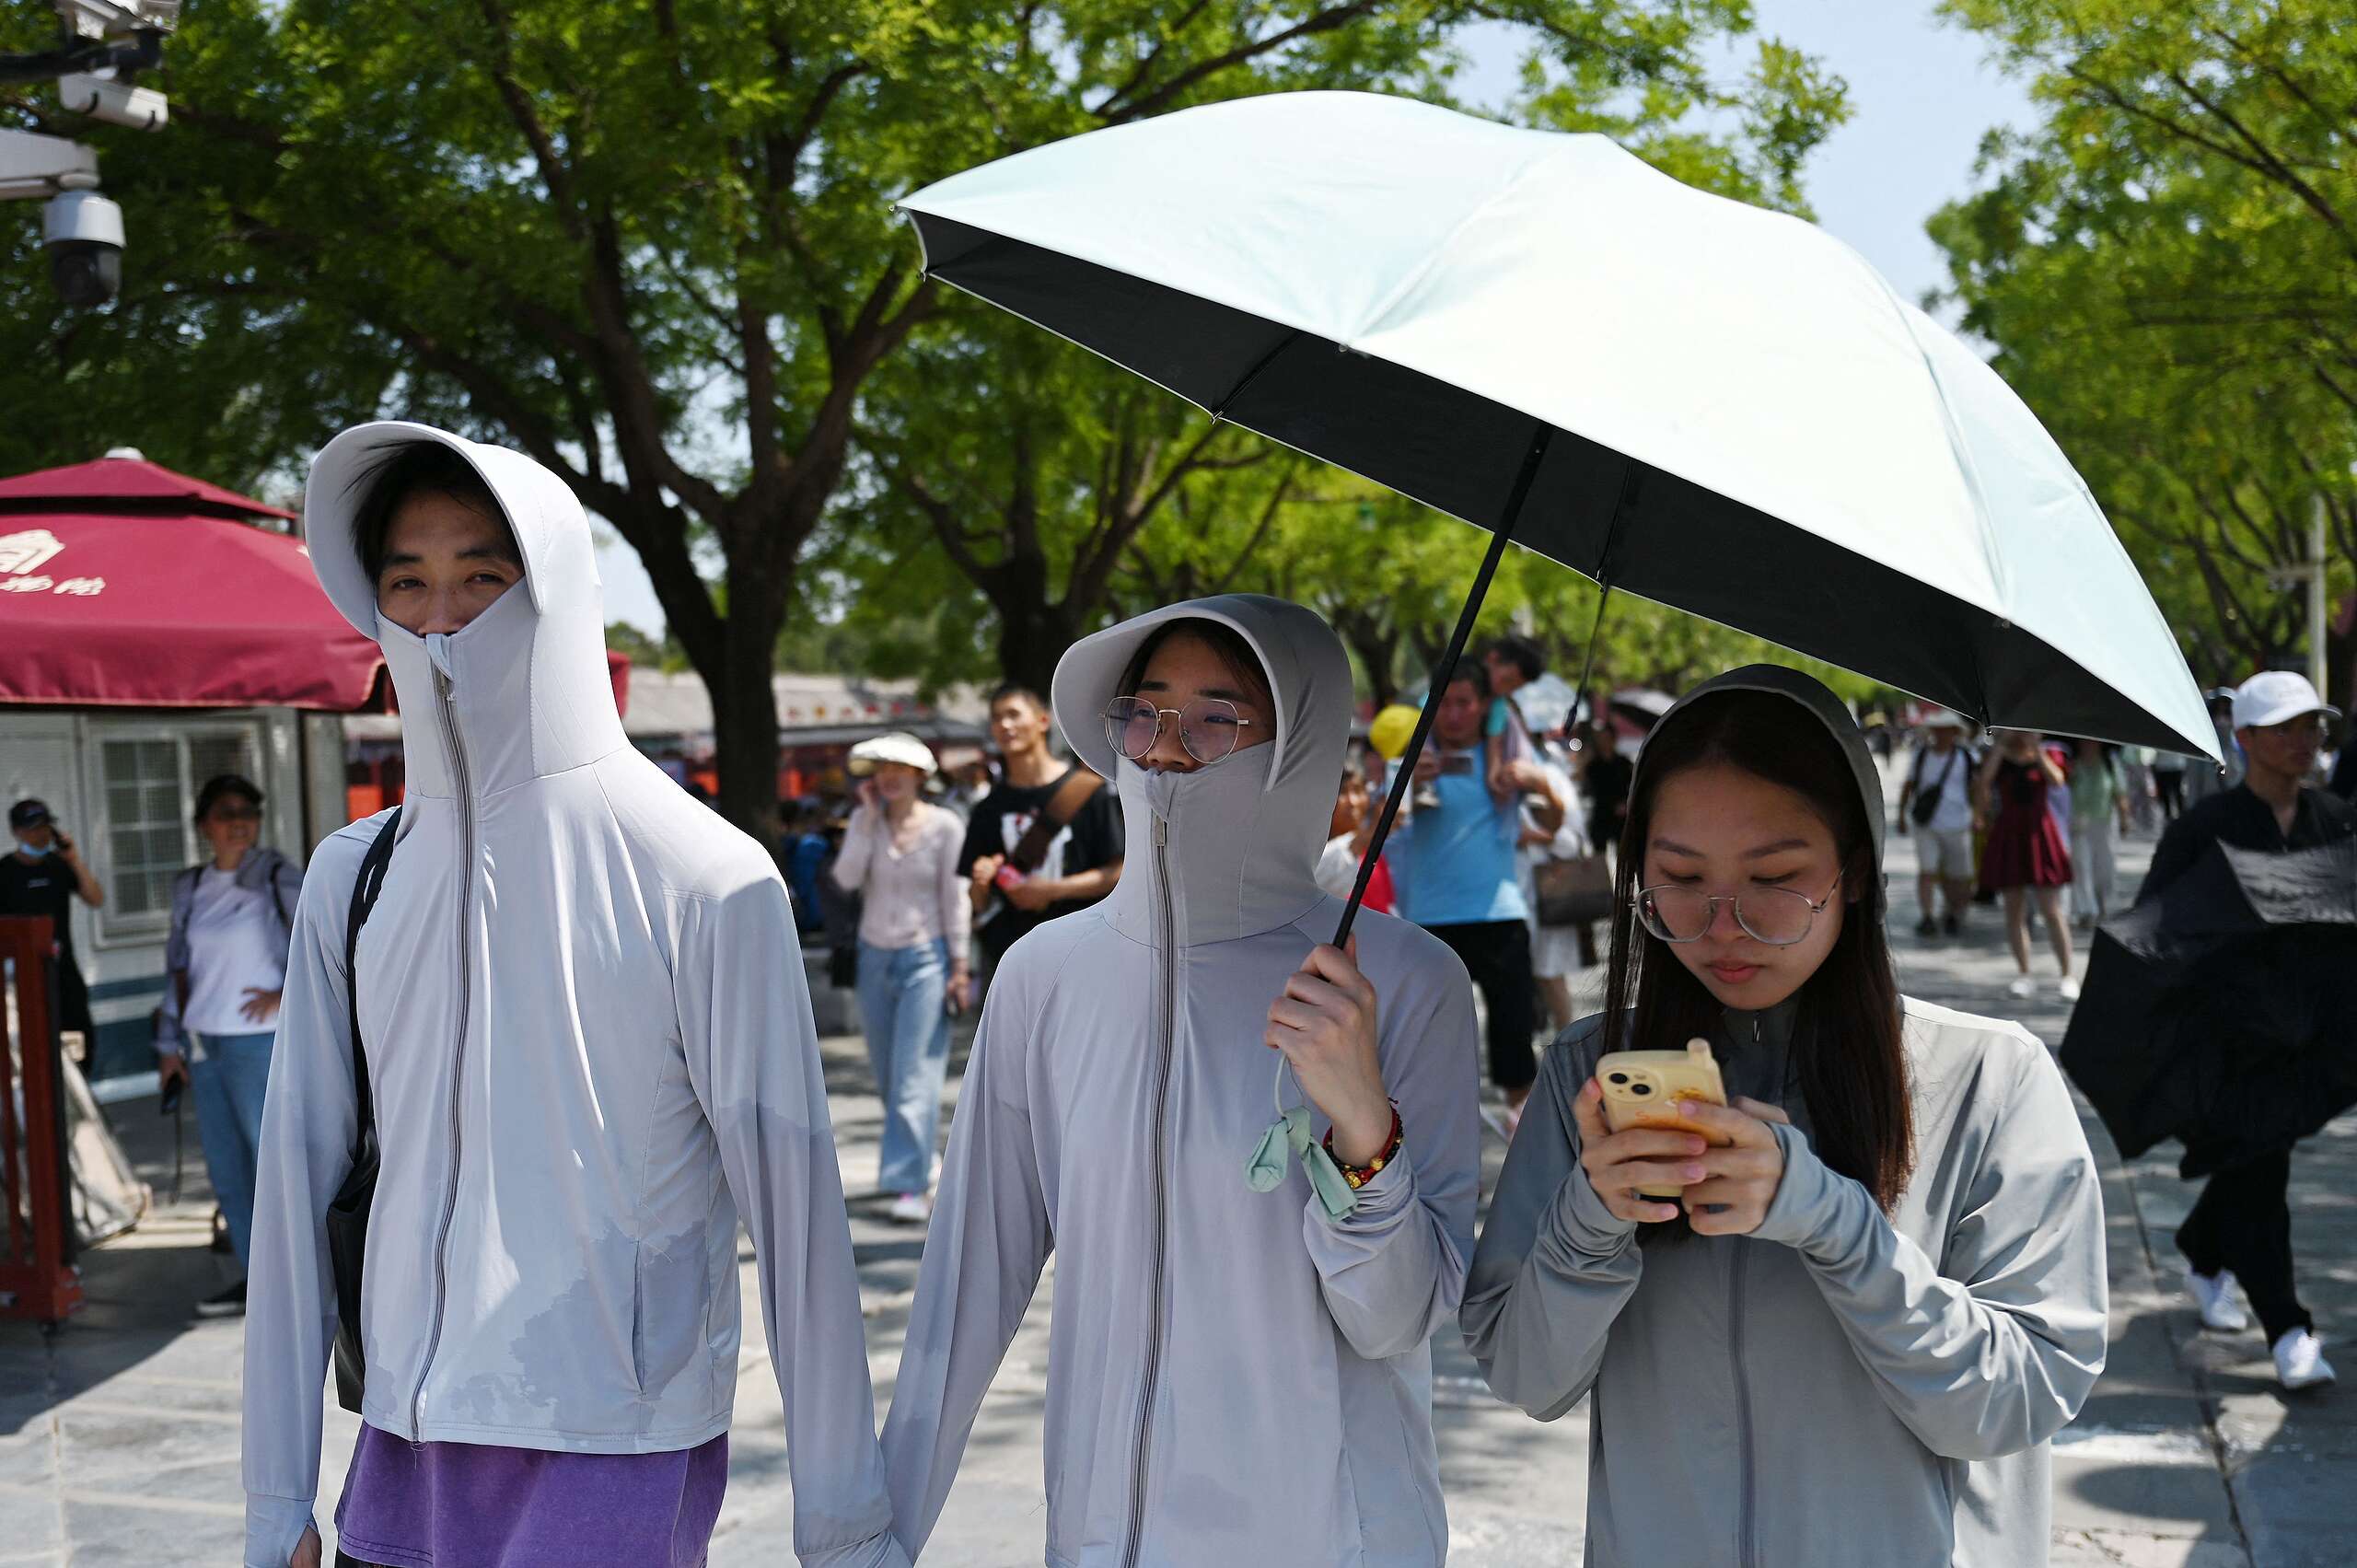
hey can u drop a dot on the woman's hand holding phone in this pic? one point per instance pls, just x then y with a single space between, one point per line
1738 1181
1618 1163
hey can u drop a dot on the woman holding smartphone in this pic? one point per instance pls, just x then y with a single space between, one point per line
1882 1285
901 854
1235 1375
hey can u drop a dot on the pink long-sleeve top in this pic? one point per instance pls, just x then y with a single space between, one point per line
909 897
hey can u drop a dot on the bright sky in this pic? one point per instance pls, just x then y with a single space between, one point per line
1922 94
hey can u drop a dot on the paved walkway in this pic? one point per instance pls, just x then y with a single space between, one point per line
119 1438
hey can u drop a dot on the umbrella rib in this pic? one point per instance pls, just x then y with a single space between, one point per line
1282 344
1406 766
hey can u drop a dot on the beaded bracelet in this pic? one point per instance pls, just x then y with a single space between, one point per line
1359 1175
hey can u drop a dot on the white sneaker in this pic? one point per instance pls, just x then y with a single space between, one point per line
2023 989
2299 1361
911 1208
2068 988
2214 1294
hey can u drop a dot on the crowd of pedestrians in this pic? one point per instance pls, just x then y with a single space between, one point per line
553 1100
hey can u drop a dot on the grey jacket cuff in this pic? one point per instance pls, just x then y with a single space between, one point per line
1808 1197
1582 1226
274 1527
878 1550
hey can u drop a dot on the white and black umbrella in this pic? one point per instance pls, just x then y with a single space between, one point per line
1714 406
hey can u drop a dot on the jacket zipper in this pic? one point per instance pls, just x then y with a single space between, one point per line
458 1055
1143 1448
1742 1385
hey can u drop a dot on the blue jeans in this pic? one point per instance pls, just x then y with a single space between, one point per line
228 1088
903 1000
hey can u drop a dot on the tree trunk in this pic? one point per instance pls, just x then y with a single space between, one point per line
1031 638
744 707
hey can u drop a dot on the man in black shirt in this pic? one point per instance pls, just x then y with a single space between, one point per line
42 878
1076 863
2241 1226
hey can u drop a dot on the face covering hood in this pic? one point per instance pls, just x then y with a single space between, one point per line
524 682
1235 844
1823 706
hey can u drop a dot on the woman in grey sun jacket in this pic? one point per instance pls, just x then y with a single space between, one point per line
1233 1376
1852 1382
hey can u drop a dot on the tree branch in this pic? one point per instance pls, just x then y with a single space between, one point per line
1328 20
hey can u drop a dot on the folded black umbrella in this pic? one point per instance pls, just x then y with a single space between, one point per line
2221 1013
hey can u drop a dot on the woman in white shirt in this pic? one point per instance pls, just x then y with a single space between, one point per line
899 854
225 965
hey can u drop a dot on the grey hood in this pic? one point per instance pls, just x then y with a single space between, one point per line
527 677
1243 835
1829 710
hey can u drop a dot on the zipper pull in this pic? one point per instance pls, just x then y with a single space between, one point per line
1161 832
437 649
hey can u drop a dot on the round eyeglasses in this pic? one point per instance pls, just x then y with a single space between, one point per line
1776 916
1208 727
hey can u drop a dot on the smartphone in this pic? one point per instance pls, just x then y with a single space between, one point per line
1641 1088
170 1099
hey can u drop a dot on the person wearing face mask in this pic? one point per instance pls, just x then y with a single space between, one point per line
225 965
1235 1375
42 878
1883 1279
589 1052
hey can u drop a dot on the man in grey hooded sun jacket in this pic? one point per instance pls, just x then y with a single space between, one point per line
1232 1376
1838 1388
590 1049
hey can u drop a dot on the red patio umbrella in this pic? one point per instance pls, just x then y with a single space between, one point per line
123 584
128 484
171 612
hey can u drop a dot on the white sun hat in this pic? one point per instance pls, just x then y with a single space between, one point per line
897 747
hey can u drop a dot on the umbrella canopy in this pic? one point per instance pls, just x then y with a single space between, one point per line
2219 1013
1714 406
160 610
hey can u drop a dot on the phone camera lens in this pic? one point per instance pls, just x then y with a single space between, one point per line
1618 1077
1643 1089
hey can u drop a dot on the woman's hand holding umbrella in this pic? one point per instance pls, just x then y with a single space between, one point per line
1325 1024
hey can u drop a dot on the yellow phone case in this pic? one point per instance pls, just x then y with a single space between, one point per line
1641 1086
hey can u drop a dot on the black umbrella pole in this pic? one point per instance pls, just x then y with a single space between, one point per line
1404 771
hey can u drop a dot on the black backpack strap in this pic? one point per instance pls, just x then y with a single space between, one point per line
364 888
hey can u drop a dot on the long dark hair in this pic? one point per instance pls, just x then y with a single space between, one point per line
1848 1049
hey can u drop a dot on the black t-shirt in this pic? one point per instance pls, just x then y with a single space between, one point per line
45 887
1092 839
2240 819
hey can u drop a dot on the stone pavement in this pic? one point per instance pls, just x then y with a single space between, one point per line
119 1437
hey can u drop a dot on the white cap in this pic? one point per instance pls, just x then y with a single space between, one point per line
1945 718
2274 695
897 747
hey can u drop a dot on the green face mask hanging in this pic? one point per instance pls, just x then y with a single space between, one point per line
1265 1171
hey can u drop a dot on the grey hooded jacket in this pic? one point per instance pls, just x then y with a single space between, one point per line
1841 1388
591 1053
1232 1378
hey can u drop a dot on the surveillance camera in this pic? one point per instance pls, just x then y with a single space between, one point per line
82 233
116 102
